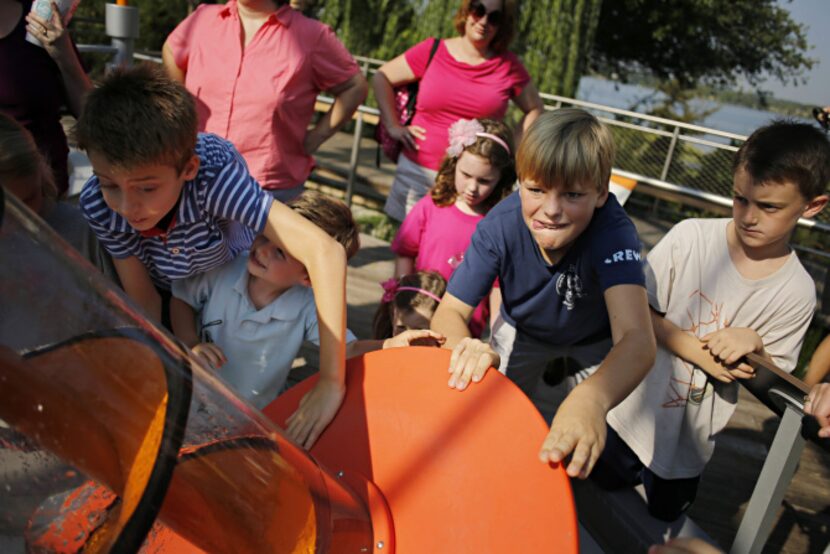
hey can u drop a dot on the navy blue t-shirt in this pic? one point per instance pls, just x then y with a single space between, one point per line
560 304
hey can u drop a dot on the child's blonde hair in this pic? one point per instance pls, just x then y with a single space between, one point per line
416 284
20 158
501 158
566 147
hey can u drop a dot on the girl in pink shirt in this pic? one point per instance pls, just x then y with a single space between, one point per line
408 304
470 76
477 172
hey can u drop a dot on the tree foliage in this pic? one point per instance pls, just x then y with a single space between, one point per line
701 41
555 38
682 42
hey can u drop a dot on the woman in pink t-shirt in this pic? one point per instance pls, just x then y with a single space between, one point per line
477 172
256 68
470 76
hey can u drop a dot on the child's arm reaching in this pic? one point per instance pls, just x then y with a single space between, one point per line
139 287
818 405
183 321
407 338
730 344
471 358
819 364
693 350
325 260
404 265
579 427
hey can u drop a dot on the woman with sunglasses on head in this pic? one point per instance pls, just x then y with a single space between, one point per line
470 76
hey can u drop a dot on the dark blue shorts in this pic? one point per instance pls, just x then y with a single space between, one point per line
618 467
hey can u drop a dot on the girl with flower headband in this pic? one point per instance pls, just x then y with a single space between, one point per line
477 172
408 303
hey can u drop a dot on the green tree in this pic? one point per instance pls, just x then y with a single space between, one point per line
700 41
555 41
376 28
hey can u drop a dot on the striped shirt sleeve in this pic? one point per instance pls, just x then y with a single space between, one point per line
235 194
100 218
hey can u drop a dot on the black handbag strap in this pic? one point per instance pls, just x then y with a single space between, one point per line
413 87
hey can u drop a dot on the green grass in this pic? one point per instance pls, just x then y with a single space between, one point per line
378 225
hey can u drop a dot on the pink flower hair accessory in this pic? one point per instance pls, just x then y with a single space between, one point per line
390 289
464 133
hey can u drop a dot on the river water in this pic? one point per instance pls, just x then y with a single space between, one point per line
728 117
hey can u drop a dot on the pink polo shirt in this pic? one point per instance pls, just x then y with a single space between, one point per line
262 98
450 90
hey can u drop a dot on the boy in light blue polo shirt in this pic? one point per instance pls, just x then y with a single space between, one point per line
256 312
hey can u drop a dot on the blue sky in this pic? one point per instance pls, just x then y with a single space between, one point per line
815 15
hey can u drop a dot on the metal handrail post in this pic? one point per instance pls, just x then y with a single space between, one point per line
122 26
358 135
670 154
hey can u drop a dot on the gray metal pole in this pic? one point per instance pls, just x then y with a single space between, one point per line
122 26
358 135
772 483
670 154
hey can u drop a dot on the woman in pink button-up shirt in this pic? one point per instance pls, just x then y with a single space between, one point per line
256 68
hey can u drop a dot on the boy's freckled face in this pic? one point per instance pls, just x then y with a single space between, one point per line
765 214
143 195
556 216
268 262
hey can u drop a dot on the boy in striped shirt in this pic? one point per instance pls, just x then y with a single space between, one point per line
169 203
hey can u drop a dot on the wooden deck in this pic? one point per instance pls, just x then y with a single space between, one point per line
803 522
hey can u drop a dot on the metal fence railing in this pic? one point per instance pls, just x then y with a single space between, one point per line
671 159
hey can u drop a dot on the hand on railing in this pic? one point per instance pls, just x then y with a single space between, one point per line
817 404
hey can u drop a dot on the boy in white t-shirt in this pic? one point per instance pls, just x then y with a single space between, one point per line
719 289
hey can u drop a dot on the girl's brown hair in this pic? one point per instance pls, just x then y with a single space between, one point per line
20 158
504 32
444 193
430 281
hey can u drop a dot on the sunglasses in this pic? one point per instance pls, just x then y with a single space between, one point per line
478 11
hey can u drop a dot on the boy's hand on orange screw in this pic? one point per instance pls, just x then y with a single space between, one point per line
317 408
471 358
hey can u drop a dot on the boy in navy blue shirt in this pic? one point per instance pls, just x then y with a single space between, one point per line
568 262
169 203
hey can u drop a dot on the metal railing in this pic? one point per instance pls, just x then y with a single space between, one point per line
672 159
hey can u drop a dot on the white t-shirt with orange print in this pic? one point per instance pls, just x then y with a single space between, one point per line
672 417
